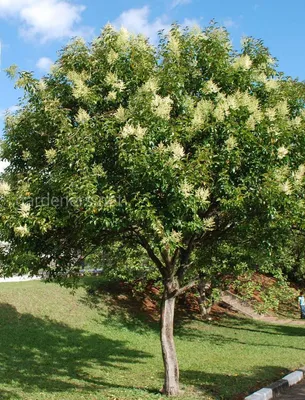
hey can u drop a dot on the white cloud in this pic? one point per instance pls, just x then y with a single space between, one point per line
136 20
191 22
3 165
45 19
230 23
177 3
11 109
44 64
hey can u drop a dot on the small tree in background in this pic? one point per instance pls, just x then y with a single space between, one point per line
170 148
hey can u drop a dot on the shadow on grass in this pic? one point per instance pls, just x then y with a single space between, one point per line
137 312
128 312
121 305
256 330
41 355
231 387
261 327
44 355
8 395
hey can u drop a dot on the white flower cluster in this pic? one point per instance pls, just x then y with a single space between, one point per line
26 155
161 148
221 36
51 105
281 174
211 87
4 188
162 106
203 194
140 42
201 114
282 152
111 95
11 120
242 62
50 155
21 230
260 77
209 224
299 175
271 60
232 102
270 113
286 188
231 143
80 89
296 122
24 210
244 99
282 108
123 38
82 116
151 85
177 150
235 101
112 57
196 30
271 84
120 114
186 189
244 41
42 85
174 238
173 45
251 123
112 80
137 131
221 111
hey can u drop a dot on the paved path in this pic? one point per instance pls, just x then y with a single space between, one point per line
296 392
245 308
21 278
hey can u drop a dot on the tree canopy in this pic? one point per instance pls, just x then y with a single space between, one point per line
171 147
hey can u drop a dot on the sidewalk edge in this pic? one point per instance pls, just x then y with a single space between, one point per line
273 390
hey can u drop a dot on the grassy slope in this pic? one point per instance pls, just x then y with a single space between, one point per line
54 346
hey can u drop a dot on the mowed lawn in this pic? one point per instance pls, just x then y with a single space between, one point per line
53 345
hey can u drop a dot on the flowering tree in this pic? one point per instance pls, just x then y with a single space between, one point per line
170 148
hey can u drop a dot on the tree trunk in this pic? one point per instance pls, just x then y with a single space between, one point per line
204 311
202 298
171 369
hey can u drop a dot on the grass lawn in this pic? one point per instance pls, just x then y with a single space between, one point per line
55 346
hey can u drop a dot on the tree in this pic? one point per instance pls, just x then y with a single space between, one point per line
171 148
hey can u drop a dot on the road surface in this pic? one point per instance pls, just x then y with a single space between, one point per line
296 392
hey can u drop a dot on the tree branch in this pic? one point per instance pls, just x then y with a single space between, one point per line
185 255
144 243
185 288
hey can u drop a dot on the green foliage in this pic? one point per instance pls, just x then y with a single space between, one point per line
275 296
247 287
122 262
174 148
266 294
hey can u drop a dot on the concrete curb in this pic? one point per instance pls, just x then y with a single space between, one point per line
275 389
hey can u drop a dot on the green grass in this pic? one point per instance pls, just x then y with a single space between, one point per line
53 345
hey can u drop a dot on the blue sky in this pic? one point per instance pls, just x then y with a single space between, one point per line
31 31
